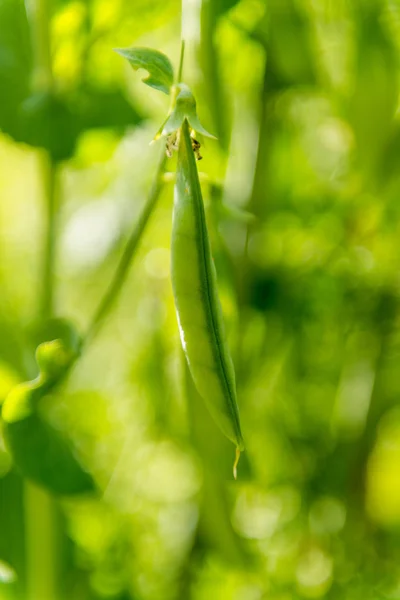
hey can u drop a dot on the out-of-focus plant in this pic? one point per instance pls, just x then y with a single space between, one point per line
301 203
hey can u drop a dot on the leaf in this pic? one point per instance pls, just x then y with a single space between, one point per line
158 65
46 121
15 62
285 33
222 6
104 108
55 329
38 449
44 455
374 97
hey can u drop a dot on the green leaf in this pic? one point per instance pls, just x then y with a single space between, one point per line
15 62
375 88
158 65
38 449
43 454
222 6
46 121
285 32
104 108
55 329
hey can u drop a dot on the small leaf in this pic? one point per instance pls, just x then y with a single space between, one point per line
158 65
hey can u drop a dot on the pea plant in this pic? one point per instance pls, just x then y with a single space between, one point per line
253 267
39 451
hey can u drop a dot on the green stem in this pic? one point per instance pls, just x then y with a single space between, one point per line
182 56
49 176
39 16
43 541
42 515
210 65
121 272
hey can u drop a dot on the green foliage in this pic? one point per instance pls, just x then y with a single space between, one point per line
15 62
374 98
44 118
39 451
46 122
158 65
300 195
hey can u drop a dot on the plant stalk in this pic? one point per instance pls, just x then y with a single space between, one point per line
49 178
43 533
114 289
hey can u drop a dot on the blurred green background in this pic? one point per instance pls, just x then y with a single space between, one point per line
303 96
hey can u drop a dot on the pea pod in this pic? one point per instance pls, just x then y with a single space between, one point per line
196 297
39 451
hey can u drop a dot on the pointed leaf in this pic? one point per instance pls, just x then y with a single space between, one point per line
158 65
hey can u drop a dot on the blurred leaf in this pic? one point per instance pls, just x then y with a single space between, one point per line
8 379
39 450
158 65
389 159
15 62
222 6
42 454
55 329
373 100
47 122
104 108
285 33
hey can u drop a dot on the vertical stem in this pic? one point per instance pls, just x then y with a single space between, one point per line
49 178
181 58
39 15
113 291
42 516
210 64
43 535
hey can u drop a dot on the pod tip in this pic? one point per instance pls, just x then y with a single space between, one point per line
235 464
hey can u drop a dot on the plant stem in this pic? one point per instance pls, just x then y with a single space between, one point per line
182 56
43 540
121 272
42 515
210 65
49 177
39 17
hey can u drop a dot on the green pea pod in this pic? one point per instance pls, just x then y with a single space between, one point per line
196 298
39 451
